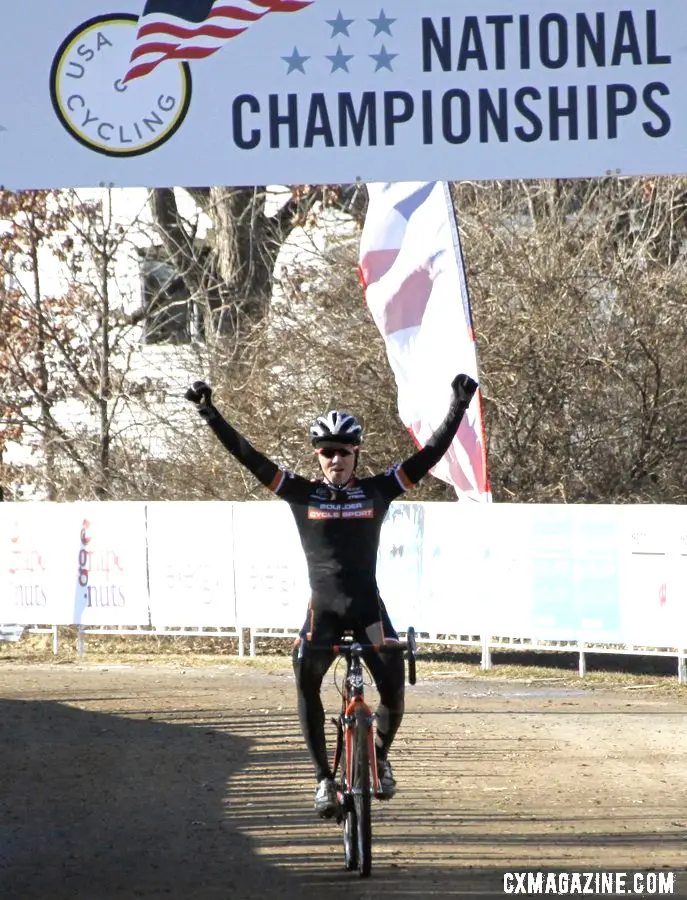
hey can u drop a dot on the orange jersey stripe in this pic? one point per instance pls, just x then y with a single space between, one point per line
403 479
277 481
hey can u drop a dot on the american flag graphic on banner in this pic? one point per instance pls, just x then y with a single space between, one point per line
186 30
411 266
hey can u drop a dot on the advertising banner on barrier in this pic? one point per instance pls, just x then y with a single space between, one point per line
654 576
35 572
106 546
596 574
191 564
554 572
73 564
399 563
453 587
508 572
175 92
575 591
272 588
599 574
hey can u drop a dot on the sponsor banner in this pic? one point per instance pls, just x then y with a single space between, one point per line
272 588
399 563
191 564
553 572
34 565
599 574
654 576
574 553
106 546
162 92
596 573
453 569
508 572
73 564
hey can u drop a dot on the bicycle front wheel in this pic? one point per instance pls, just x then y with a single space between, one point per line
361 791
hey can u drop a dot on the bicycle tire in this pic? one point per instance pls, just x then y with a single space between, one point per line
350 838
350 821
362 801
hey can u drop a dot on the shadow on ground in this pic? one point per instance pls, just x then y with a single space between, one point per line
100 807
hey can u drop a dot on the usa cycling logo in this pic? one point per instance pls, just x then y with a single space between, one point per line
121 84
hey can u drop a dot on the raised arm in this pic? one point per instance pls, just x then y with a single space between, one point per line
266 471
417 466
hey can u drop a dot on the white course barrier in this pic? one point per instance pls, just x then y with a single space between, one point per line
561 577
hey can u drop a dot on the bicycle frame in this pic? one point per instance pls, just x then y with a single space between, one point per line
353 699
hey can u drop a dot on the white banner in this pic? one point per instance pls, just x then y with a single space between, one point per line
654 575
106 546
453 589
553 572
176 92
600 574
399 563
272 588
508 581
35 571
73 564
191 564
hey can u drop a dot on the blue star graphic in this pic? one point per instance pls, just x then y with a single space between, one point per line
382 24
383 59
340 25
296 62
339 60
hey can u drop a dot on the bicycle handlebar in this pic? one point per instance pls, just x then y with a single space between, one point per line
353 648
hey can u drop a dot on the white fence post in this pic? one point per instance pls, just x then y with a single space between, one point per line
55 640
583 659
486 652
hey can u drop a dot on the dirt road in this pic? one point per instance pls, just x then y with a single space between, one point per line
162 782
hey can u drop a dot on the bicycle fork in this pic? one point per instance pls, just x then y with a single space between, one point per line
349 719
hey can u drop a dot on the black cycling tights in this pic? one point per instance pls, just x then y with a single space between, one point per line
310 667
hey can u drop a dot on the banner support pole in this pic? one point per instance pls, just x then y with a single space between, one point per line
486 652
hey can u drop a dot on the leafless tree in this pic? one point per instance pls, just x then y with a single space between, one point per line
579 294
64 359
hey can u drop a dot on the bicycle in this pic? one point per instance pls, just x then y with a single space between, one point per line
355 751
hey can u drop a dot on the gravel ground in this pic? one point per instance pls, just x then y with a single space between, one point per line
157 781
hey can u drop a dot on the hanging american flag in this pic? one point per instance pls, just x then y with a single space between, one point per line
411 266
185 30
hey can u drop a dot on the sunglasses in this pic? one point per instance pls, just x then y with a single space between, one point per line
331 452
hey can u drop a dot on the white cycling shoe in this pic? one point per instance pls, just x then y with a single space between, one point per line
387 782
326 804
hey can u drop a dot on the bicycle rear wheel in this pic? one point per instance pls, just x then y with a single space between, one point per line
361 792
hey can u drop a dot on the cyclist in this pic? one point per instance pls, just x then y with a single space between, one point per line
339 518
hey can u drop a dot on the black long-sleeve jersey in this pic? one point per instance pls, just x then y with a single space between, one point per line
340 527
